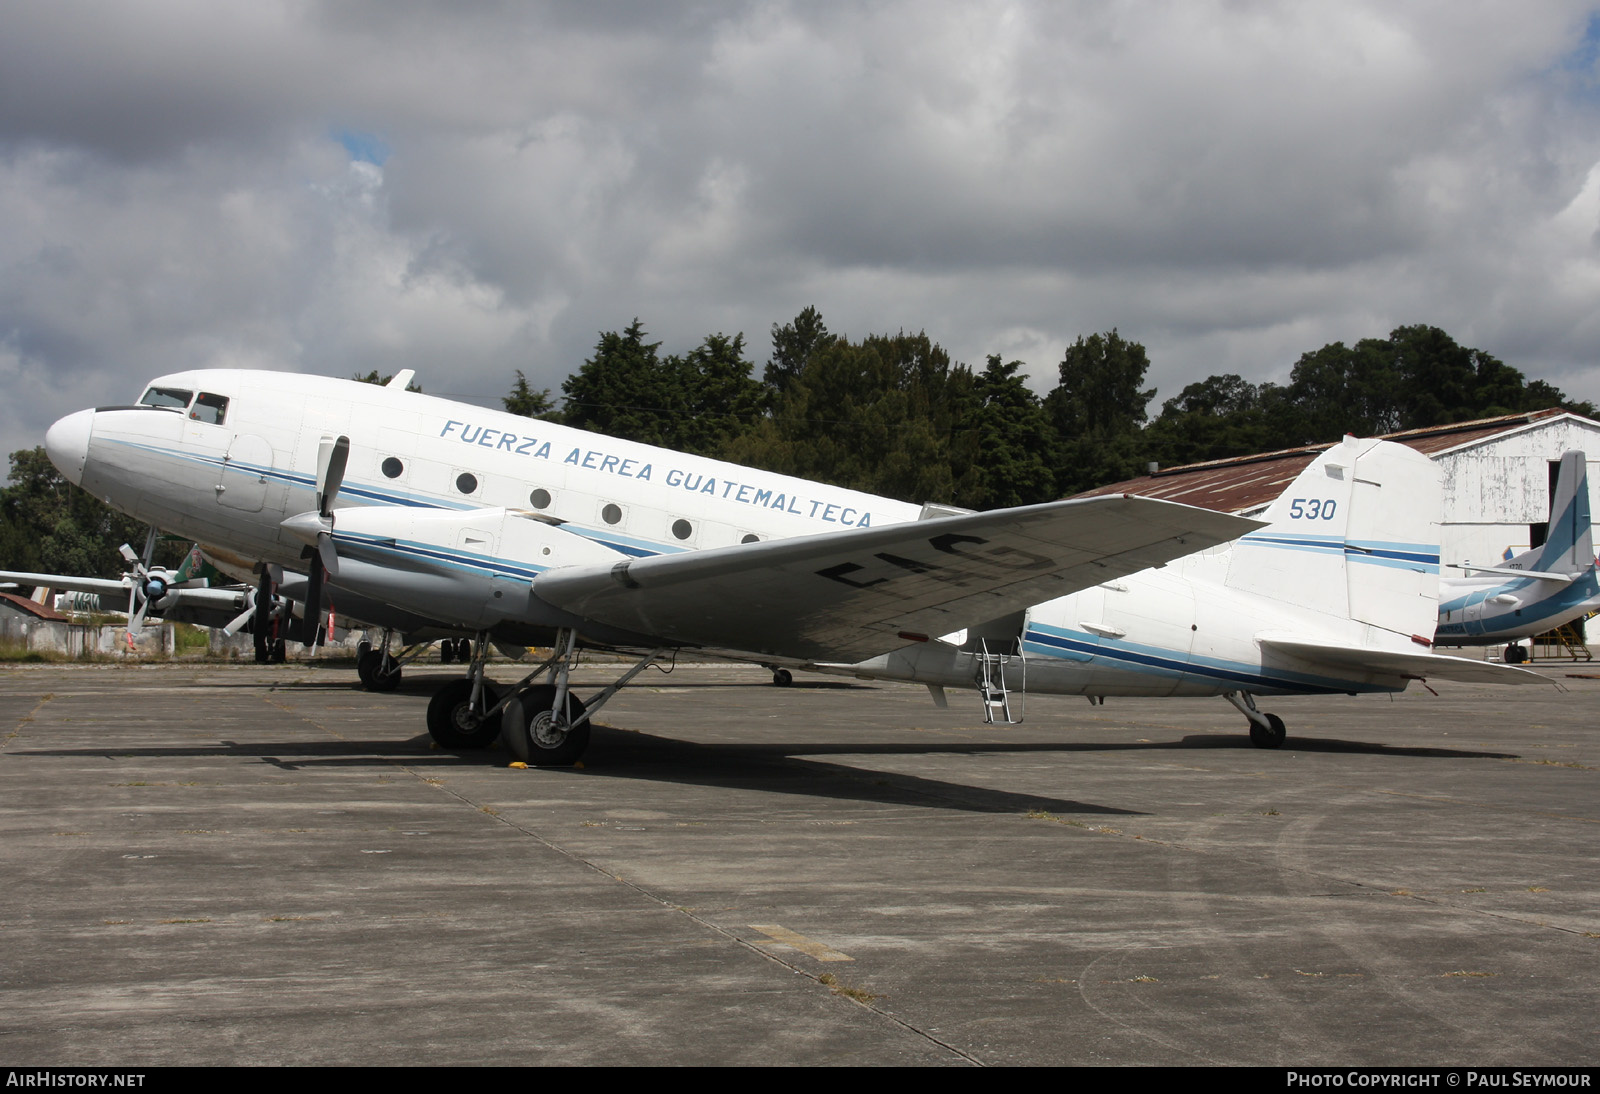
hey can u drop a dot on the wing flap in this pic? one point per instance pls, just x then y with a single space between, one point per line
1421 666
845 596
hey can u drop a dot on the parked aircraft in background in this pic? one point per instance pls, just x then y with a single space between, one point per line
419 514
1538 590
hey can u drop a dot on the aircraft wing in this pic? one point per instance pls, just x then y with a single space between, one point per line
1420 666
845 596
106 586
219 604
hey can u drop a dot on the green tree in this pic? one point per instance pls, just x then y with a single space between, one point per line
720 400
625 390
1417 377
1001 452
875 415
527 402
1219 417
1098 411
47 525
792 346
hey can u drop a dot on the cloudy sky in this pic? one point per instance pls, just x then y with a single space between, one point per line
473 188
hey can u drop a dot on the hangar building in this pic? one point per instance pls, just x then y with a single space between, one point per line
1498 477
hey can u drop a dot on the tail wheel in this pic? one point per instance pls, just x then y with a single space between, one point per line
1269 738
536 734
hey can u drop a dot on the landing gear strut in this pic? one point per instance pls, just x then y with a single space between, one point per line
1266 730
265 624
378 669
461 714
545 724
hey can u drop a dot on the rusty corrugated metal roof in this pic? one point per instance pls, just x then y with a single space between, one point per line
1241 483
39 611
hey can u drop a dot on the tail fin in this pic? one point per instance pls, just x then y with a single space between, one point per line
1569 548
1356 536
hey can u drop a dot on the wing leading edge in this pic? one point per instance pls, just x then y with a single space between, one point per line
845 596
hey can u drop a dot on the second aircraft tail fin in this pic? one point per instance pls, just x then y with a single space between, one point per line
1569 546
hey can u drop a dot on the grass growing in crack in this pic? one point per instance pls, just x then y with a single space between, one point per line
860 995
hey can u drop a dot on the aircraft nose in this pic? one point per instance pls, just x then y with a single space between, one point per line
67 444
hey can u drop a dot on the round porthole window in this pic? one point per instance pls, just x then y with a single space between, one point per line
752 538
467 482
682 529
612 513
540 498
393 468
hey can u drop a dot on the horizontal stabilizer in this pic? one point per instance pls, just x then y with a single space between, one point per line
1540 575
1420 666
845 596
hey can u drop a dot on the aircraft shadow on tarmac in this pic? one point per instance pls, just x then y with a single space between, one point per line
634 755
771 767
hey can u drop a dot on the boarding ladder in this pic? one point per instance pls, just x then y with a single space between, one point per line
1565 641
993 691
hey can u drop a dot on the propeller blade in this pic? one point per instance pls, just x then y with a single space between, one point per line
332 456
136 620
127 553
243 617
329 556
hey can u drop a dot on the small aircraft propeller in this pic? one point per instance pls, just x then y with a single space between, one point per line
146 587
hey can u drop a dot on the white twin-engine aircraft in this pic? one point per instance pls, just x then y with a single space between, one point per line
425 516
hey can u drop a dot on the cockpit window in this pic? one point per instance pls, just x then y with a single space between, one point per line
173 397
210 408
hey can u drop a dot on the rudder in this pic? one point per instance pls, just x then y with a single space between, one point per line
1356 536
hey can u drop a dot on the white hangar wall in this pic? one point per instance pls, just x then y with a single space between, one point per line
1495 487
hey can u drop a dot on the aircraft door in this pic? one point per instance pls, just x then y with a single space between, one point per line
244 480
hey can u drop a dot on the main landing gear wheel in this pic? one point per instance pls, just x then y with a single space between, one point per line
1268 738
369 667
782 678
447 651
1515 654
536 735
452 722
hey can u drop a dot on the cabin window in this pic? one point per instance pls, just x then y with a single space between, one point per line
392 468
540 498
173 397
751 537
682 529
210 408
467 482
612 513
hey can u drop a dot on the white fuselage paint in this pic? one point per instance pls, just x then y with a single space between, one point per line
1176 631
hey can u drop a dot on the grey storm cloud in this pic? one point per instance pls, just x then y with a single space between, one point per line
469 189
